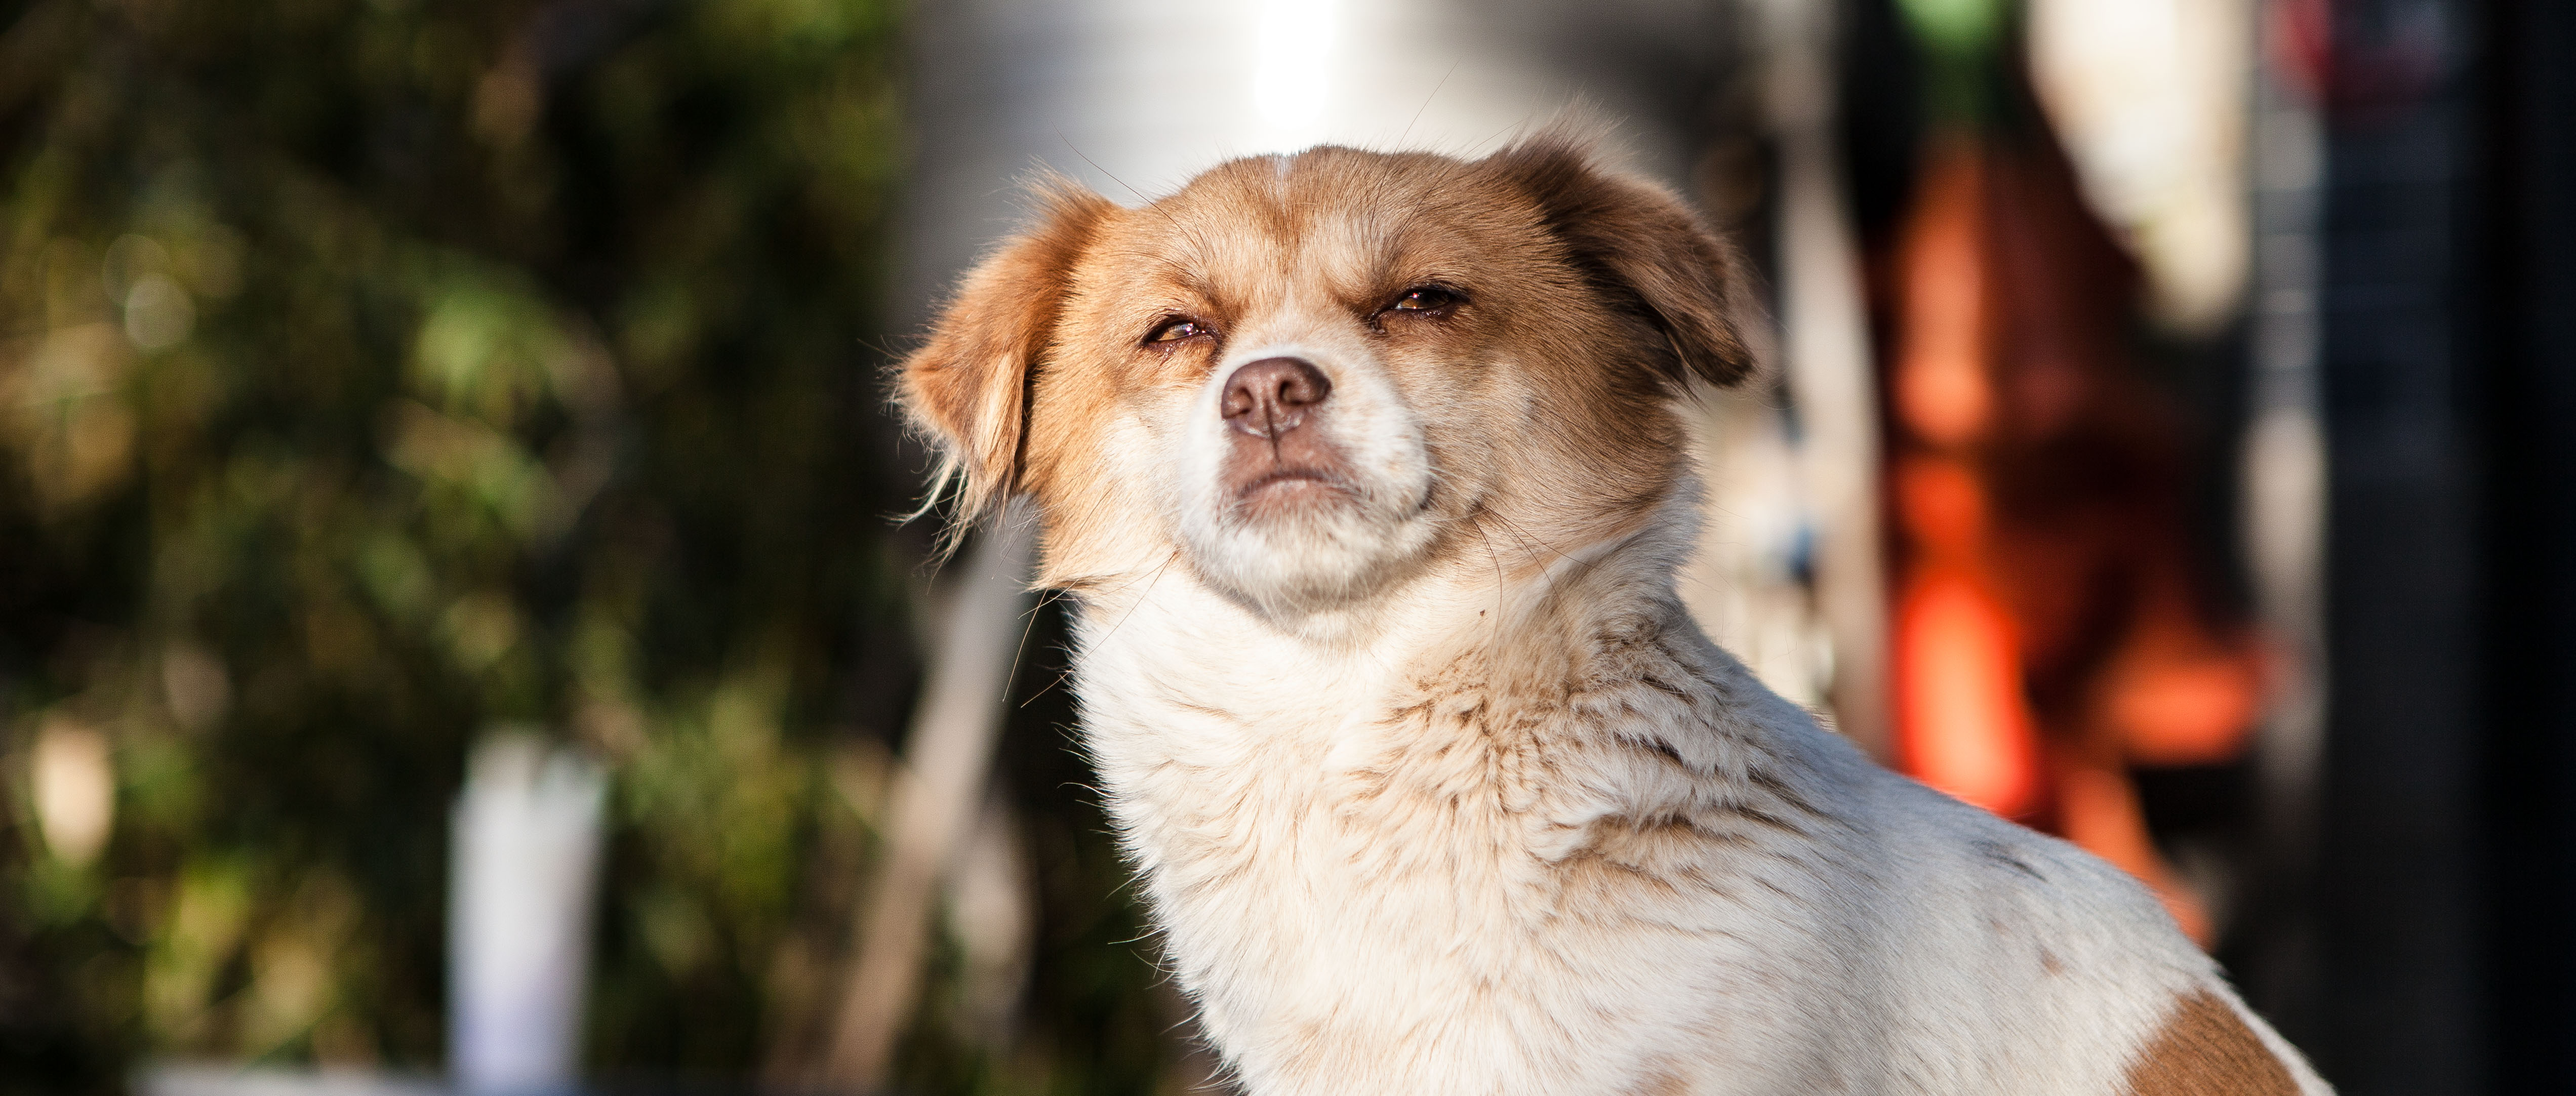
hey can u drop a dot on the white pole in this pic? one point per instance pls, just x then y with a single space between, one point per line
526 857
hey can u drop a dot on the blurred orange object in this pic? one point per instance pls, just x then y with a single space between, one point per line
2175 693
1963 723
2048 633
1958 687
1941 385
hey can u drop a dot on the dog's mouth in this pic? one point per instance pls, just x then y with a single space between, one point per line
1289 488
1285 468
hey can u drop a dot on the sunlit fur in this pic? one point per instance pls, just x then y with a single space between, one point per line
1433 785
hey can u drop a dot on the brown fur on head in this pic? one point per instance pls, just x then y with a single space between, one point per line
1485 349
1642 243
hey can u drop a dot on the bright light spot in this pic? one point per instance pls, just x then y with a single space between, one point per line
2150 99
75 790
1292 77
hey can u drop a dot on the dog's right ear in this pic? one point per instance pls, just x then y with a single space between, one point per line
968 387
1641 242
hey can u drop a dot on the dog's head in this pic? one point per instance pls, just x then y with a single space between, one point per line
1314 376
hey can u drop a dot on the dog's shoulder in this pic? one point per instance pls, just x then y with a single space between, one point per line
1993 952
2026 947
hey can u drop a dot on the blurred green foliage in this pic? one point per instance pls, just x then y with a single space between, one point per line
376 372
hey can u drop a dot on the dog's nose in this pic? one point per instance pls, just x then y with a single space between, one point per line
1269 397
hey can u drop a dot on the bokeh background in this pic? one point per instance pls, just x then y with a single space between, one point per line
2168 446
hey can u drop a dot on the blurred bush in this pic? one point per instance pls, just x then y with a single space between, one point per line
373 373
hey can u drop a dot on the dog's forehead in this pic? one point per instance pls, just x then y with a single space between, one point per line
1330 216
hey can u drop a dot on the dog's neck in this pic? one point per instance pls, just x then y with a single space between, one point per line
1516 626
1177 680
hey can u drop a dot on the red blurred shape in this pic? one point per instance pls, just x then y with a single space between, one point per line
1966 728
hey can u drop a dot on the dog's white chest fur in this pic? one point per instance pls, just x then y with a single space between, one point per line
1646 874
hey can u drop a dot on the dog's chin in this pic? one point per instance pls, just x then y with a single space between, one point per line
1294 544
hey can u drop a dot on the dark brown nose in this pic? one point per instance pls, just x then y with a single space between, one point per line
1269 397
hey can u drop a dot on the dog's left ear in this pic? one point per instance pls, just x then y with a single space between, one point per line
1641 242
968 386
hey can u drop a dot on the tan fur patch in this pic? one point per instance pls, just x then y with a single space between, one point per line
1663 1084
968 386
2205 1049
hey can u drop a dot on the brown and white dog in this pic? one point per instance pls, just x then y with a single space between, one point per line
1368 475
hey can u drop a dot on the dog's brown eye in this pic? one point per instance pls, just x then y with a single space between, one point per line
1174 330
1425 298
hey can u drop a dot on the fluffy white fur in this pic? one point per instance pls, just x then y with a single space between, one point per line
1427 801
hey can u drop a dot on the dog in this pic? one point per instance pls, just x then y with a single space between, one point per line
1367 474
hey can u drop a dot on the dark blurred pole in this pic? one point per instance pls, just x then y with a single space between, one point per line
2525 313
2399 1007
2272 951
2448 886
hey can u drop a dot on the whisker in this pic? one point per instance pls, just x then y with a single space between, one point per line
1426 102
1142 202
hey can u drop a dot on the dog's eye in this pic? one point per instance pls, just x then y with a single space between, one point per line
1174 330
1427 299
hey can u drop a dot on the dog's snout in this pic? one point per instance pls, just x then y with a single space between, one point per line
1270 397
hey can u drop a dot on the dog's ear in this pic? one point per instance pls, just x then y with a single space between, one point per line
1641 243
968 386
